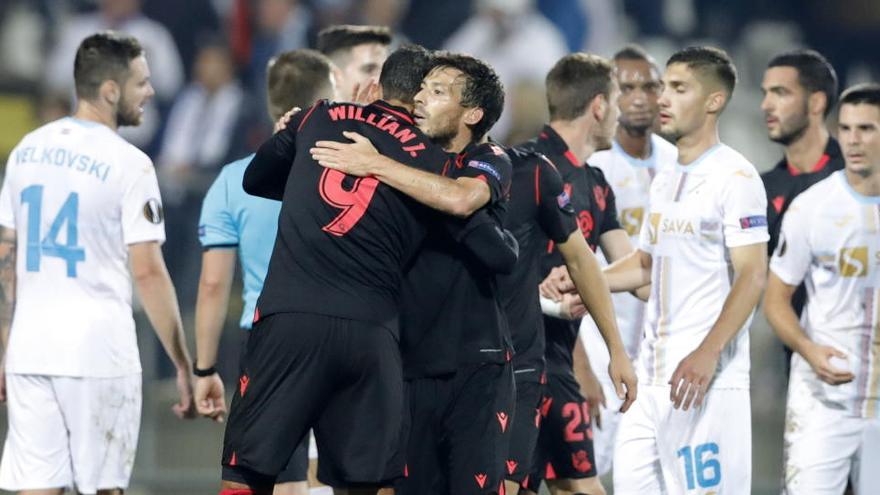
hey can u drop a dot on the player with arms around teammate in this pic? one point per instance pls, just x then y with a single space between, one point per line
829 241
636 154
703 250
236 223
78 208
357 53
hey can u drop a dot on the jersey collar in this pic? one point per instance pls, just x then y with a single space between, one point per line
832 155
861 198
555 142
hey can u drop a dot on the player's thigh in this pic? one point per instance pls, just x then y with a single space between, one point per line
566 437
36 453
865 473
525 428
287 376
103 417
636 464
820 444
708 448
359 431
477 427
604 435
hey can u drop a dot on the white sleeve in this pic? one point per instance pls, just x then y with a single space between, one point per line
143 218
744 208
793 255
7 209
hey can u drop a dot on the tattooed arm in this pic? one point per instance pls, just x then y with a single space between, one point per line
7 296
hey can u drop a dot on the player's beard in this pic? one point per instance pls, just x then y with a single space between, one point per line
127 113
635 130
443 136
793 128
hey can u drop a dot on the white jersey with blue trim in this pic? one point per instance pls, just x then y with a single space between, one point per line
697 213
77 196
831 241
630 179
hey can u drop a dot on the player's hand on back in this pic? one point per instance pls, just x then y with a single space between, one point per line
692 378
353 158
210 397
185 409
281 123
624 378
820 359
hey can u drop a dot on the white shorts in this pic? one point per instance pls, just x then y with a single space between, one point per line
661 450
66 431
825 446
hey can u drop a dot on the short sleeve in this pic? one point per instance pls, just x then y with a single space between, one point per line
7 211
217 227
793 255
143 218
493 166
604 195
744 208
555 213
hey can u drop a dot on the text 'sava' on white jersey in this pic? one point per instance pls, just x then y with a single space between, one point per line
697 213
830 240
77 195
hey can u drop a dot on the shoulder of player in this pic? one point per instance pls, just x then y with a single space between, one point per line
819 197
731 163
596 173
491 153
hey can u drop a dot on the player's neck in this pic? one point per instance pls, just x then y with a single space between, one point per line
635 144
808 149
460 142
692 146
576 136
86 110
866 185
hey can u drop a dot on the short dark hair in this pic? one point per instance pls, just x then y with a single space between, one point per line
403 71
482 88
100 57
814 71
296 79
865 93
710 61
633 51
574 81
343 36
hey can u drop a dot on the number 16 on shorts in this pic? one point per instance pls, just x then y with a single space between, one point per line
701 466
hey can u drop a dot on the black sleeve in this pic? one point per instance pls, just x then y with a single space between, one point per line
266 175
494 247
494 167
610 221
555 213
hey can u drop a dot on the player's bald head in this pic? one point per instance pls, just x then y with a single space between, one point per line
711 66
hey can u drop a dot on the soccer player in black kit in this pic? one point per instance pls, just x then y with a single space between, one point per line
455 341
326 331
582 99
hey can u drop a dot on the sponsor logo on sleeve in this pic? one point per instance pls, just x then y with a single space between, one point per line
153 211
485 167
753 221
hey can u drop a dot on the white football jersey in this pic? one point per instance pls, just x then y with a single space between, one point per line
831 241
630 179
77 195
696 214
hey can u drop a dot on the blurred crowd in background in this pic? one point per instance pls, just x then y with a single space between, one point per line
208 60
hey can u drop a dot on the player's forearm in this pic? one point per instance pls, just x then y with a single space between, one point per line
586 274
7 282
781 315
160 304
211 307
495 248
748 285
450 196
628 274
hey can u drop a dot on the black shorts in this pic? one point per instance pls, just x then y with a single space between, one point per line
524 432
459 432
565 442
340 377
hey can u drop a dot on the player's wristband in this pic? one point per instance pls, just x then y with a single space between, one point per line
203 372
551 308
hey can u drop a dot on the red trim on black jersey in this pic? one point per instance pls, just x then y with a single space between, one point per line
308 114
402 115
538 185
573 159
823 161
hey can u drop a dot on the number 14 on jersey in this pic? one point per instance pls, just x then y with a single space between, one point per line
38 246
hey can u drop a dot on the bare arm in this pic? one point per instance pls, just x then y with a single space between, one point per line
694 373
586 378
160 302
583 267
460 197
215 283
616 246
783 319
7 282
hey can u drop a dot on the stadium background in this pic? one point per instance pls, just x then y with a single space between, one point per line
208 58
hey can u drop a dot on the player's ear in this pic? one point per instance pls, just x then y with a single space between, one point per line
473 115
715 102
110 91
817 102
598 107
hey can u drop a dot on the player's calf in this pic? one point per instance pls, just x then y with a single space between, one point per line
583 486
